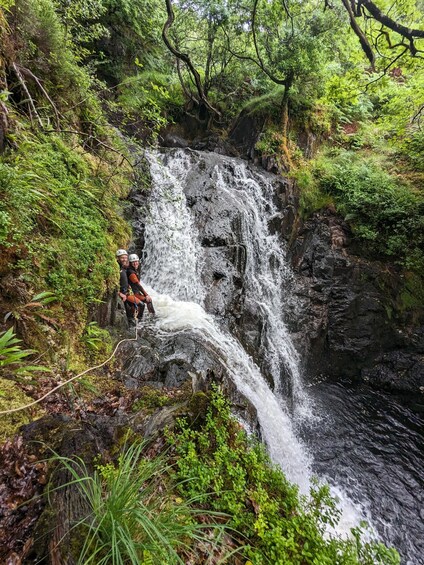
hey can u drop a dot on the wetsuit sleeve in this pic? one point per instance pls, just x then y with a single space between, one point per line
123 281
134 280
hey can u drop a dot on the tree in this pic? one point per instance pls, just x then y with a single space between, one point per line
400 30
201 98
290 47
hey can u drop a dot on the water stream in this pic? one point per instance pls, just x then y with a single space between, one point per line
176 259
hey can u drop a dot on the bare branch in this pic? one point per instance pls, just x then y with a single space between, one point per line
360 34
89 136
377 14
187 92
258 55
392 62
369 11
26 71
30 100
417 116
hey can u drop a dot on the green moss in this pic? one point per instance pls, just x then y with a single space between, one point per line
198 406
151 398
412 294
12 397
267 105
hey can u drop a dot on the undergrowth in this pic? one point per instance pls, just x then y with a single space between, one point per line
228 472
134 514
59 218
60 224
211 496
385 212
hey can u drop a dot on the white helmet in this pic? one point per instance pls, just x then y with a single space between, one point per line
121 252
133 257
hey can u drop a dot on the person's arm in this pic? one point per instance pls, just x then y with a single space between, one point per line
135 280
123 284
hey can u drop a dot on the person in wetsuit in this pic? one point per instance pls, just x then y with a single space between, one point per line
133 274
130 302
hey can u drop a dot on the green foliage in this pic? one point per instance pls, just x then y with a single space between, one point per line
10 352
225 470
312 198
44 48
62 215
150 399
147 101
383 211
134 517
12 356
412 148
97 342
82 22
266 105
111 36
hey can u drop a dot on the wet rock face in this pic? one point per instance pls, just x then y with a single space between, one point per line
219 222
342 308
398 370
342 311
170 362
158 361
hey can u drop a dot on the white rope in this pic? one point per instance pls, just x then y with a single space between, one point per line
3 412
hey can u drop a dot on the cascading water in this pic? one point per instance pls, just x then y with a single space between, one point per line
173 259
172 266
175 266
214 263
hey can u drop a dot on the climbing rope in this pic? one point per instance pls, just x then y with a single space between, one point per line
3 412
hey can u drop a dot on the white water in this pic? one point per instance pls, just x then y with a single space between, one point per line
172 265
173 259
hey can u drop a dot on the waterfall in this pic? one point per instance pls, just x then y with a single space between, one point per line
173 257
174 268
214 262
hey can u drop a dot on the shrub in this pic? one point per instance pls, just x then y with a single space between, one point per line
311 197
97 342
134 517
384 212
229 473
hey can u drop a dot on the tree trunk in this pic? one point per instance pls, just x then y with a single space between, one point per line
288 164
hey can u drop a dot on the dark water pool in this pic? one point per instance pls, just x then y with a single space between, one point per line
371 443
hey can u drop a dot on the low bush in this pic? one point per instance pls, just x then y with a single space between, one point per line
227 472
386 214
134 516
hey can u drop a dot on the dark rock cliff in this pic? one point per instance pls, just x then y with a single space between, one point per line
348 319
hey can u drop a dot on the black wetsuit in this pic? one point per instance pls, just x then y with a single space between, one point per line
123 287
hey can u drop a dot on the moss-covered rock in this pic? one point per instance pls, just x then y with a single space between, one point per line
12 397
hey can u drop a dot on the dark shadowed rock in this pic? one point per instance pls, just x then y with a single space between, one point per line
173 140
344 316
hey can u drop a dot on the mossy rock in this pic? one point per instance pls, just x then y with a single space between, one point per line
198 407
12 397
